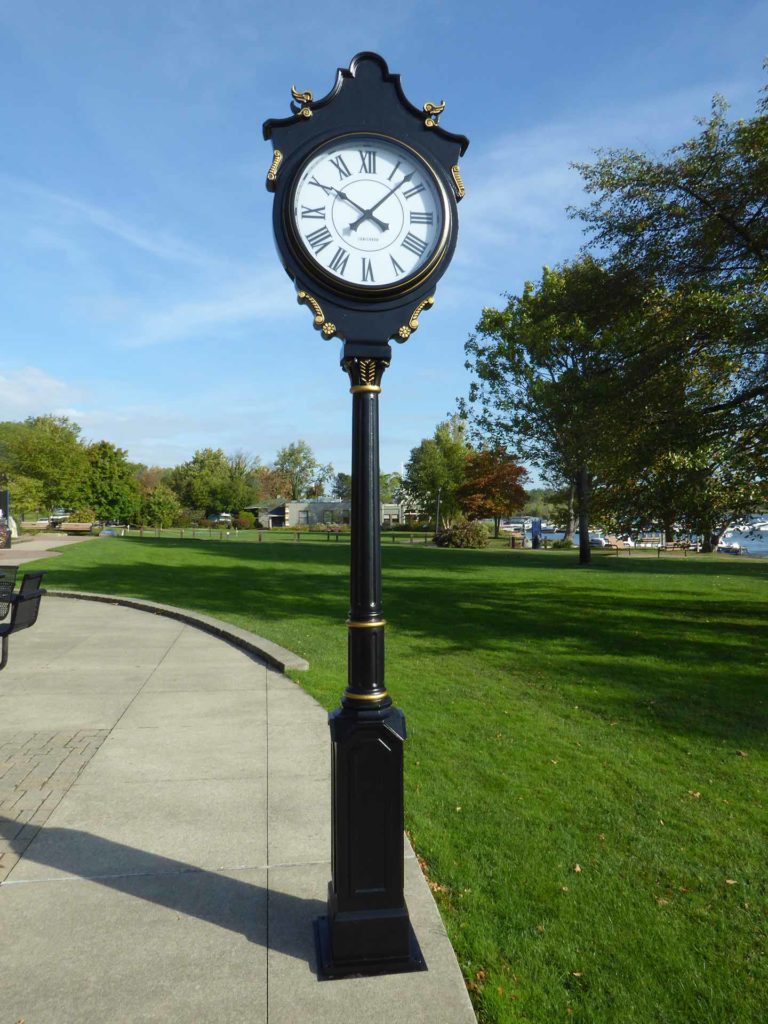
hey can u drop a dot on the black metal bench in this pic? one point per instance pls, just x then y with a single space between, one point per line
7 582
24 611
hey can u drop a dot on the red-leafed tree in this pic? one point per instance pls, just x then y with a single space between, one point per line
493 486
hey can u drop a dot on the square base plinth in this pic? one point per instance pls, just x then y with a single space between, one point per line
327 968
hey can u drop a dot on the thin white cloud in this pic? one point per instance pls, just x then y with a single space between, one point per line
265 296
32 392
156 243
518 191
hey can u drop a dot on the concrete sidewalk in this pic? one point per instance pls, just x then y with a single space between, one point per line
42 546
165 821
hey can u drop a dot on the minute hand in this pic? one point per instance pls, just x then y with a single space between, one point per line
356 224
343 195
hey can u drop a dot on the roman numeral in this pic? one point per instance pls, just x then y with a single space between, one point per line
396 266
393 170
422 218
367 269
367 161
414 190
319 239
326 188
414 244
341 167
318 213
339 261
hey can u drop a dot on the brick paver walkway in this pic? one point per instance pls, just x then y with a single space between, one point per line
36 770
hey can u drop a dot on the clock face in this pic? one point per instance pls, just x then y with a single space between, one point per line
368 214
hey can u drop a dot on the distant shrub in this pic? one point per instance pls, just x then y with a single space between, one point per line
183 519
245 520
559 545
463 535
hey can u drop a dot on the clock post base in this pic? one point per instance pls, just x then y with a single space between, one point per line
366 929
330 966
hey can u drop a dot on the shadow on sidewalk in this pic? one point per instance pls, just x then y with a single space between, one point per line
263 916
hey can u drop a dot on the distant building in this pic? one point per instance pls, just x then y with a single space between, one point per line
316 513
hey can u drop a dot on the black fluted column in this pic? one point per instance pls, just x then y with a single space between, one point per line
367 929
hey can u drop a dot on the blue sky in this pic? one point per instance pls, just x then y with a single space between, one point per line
140 290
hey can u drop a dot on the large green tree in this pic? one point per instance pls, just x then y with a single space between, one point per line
159 506
110 488
342 487
304 475
48 449
203 482
545 380
437 467
695 221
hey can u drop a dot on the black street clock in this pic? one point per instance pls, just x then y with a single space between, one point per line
365 215
366 190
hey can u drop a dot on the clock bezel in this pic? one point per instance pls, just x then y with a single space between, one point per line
354 290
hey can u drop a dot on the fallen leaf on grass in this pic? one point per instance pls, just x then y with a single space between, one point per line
458 808
540 929
683 889
564 888
742 753
552 761
601 836
731 881
480 975
661 901
577 974
577 868
436 887
694 793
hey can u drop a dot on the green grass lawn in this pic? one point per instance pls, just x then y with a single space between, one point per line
586 761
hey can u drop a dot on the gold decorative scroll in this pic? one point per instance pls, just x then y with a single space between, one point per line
433 111
456 175
413 323
275 166
312 302
407 330
302 97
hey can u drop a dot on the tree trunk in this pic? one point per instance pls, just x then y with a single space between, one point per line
570 526
496 523
582 500
669 527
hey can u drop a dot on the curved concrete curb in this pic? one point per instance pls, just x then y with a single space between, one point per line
273 654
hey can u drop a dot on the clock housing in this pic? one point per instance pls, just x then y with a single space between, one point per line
367 264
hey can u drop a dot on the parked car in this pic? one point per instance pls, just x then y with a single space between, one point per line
59 516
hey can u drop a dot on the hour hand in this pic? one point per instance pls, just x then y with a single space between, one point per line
365 213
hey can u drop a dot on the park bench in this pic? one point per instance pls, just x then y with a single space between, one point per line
24 610
7 582
73 529
617 545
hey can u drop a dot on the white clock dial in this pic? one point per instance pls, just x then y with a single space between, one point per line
369 213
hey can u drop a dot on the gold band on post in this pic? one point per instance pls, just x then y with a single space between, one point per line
359 389
366 625
365 696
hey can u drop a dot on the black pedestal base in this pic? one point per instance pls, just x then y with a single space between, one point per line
327 968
